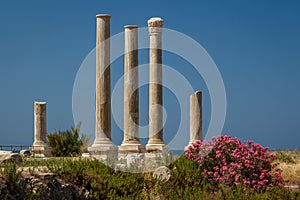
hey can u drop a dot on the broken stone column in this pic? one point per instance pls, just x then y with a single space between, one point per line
195 117
40 146
155 142
131 142
102 143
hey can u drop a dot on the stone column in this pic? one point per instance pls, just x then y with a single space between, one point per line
40 130
131 142
195 117
102 141
155 91
40 145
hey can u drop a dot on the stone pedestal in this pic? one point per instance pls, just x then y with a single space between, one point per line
155 142
157 158
41 151
104 152
102 142
131 142
40 146
195 117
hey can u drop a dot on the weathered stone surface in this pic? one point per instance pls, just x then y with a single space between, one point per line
40 145
120 166
5 152
41 151
4 157
40 122
155 22
102 140
86 155
11 158
155 89
135 158
25 153
131 147
158 158
163 173
195 117
104 152
131 141
44 186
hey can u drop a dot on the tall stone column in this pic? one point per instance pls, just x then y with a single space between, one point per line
131 142
40 145
103 141
195 117
155 142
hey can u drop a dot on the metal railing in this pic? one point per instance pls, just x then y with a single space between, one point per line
15 148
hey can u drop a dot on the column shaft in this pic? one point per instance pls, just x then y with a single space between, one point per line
196 116
103 101
131 142
155 90
40 129
131 93
40 146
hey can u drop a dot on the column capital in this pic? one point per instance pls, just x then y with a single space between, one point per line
130 26
155 22
103 16
155 25
40 102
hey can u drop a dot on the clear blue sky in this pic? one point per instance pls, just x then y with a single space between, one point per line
255 44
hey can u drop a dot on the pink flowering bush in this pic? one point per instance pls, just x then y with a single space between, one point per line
226 160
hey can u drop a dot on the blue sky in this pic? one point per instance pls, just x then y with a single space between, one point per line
255 45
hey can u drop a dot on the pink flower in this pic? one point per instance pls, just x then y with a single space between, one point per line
233 162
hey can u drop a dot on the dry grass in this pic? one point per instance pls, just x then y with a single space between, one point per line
291 171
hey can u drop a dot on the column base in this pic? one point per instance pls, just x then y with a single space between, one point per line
102 142
39 143
41 151
186 147
156 145
156 148
190 143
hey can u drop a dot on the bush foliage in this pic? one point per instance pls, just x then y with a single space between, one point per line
67 143
226 160
285 157
223 168
103 182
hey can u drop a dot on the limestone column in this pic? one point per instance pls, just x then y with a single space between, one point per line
195 117
40 146
40 130
155 90
103 104
131 142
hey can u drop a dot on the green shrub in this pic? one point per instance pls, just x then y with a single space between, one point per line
103 182
12 176
100 180
285 157
65 143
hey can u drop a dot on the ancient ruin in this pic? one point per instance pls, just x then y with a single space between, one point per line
195 117
40 146
156 142
103 142
103 145
131 142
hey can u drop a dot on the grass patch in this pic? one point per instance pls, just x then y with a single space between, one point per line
103 182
